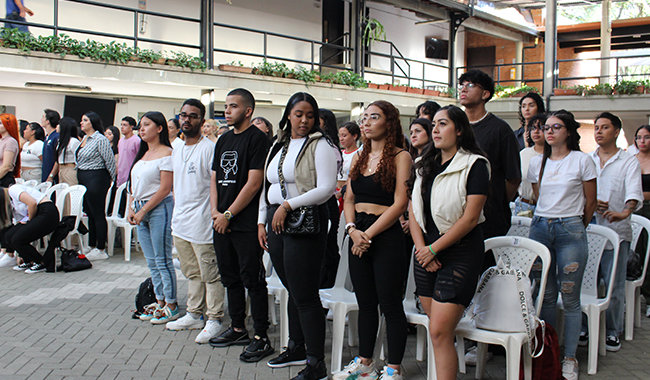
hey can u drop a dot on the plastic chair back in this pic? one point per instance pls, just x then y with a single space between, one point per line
43 186
519 226
597 237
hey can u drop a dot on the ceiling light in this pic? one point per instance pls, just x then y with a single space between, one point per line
58 87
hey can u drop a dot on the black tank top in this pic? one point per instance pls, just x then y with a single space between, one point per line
645 182
366 190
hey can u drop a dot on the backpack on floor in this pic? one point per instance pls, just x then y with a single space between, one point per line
143 297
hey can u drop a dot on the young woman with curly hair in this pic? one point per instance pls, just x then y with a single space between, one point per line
374 201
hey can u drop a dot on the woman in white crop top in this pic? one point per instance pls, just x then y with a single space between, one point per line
150 208
564 183
31 155
65 150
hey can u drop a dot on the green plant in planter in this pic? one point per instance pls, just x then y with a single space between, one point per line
237 63
305 75
183 59
120 53
627 87
599 89
13 38
147 55
449 91
373 31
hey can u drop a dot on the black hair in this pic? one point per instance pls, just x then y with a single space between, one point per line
427 108
480 78
268 124
39 132
96 121
177 124
22 126
538 101
130 120
159 119
330 125
426 124
6 210
425 167
249 99
352 128
572 142
644 126
52 116
196 103
616 121
68 128
541 117
116 137
291 103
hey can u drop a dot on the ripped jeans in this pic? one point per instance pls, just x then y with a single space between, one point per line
566 239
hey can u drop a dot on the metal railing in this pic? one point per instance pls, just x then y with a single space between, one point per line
496 73
617 76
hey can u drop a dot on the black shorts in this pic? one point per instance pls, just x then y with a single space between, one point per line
456 280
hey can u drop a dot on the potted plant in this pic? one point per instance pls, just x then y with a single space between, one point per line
599 89
373 85
563 91
398 88
373 31
448 92
414 90
429 92
384 86
236 67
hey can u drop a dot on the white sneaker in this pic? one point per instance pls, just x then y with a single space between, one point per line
187 322
386 376
7 261
470 356
647 312
96 254
356 370
211 330
570 369
87 250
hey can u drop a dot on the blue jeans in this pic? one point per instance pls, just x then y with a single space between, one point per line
616 309
22 28
155 236
566 239
522 206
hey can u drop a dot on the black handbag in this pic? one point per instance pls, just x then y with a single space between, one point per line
304 220
71 262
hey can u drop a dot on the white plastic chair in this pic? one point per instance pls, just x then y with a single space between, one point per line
57 190
519 226
30 183
76 195
19 181
521 253
591 305
422 322
277 290
633 288
43 186
114 221
341 302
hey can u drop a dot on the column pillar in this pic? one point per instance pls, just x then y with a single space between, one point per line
550 48
519 56
606 42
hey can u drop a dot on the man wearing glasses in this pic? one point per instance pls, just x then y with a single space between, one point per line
619 195
192 226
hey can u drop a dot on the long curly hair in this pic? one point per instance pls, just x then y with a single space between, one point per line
386 168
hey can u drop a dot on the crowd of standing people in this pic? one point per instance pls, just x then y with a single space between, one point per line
223 196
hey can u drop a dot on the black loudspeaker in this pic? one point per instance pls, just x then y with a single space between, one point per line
76 106
436 48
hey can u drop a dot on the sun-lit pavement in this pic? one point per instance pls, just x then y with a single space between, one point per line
79 326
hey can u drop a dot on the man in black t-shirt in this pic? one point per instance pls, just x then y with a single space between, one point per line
498 141
237 177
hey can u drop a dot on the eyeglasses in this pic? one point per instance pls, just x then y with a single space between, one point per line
536 128
468 86
191 116
555 128
372 118
642 138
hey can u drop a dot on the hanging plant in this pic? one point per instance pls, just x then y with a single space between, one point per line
373 31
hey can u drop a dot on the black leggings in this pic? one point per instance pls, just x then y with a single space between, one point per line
332 255
97 183
18 238
378 277
297 259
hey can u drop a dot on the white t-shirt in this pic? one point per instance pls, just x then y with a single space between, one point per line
145 177
192 167
561 193
29 154
347 163
67 156
326 165
20 208
177 143
526 189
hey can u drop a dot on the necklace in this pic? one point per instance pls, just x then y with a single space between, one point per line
191 153
371 160
481 119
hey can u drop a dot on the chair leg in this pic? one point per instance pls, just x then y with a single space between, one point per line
431 358
602 334
637 307
460 349
528 363
110 240
378 354
629 310
284 317
274 315
127 243
338 332
593 322
481 359
421 342
353 328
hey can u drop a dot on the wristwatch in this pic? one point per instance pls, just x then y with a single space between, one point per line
228 215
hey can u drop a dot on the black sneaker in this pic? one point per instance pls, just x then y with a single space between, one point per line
612 344
36 268
292 355
231 337
23 267
583 341
258 349
319 372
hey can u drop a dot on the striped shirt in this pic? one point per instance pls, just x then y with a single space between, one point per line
96 154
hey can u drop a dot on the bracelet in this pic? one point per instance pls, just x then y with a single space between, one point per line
349 226
431 250
284 207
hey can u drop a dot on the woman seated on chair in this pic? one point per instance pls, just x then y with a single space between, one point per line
37 216
449 186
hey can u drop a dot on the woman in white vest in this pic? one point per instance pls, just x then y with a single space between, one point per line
564 183
449 187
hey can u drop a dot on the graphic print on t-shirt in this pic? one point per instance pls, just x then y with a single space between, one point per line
229 164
